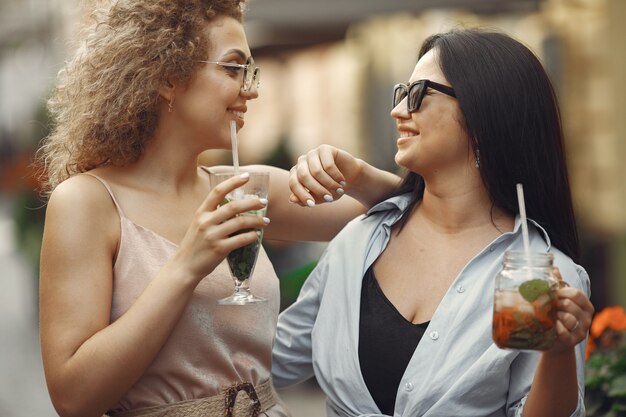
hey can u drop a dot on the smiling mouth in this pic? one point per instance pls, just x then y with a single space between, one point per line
239 114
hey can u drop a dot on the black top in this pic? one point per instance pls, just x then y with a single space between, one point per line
386 343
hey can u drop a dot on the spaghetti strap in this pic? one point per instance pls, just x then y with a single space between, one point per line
106 185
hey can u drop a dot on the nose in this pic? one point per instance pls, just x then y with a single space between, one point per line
401 110
252 93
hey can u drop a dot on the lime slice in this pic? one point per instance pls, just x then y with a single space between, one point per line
533 289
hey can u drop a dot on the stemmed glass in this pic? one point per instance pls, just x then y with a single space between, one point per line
241 261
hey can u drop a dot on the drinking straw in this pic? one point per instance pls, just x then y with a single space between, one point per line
522 213
233 140
238 193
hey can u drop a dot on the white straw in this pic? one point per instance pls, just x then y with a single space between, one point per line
522 213
238 192
233 140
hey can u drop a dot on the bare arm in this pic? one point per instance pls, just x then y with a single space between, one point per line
554 390
299 199
326 169
89 362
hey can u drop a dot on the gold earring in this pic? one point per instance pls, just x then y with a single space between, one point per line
170 105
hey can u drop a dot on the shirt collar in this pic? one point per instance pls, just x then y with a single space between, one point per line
517 229
400 202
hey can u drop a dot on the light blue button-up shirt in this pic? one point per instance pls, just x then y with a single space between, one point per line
456 369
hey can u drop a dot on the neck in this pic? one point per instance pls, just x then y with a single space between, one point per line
454 206
168 162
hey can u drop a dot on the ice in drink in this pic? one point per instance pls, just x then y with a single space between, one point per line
524 322
524 307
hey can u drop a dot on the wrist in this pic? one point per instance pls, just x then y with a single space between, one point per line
374 184
360 185
179 273
559 356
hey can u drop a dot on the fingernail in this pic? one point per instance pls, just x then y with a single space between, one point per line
263 201
340 191
266 220
328 198
342 183
245 175
310 203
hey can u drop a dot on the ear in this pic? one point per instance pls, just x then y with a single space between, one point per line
167 91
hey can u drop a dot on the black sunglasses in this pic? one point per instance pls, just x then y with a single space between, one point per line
416 91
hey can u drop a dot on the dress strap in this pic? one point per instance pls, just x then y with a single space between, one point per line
108 187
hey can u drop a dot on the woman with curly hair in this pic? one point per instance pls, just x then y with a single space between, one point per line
134 244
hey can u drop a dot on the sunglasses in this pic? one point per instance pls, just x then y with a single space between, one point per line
416 91
251 72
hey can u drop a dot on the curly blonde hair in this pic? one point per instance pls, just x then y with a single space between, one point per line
105 105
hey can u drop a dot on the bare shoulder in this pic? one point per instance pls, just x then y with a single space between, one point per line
82 206
82 193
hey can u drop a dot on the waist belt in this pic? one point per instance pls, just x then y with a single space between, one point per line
240 400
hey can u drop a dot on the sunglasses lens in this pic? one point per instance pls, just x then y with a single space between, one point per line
399 93
415 94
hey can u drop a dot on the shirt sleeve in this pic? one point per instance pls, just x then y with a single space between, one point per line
292 360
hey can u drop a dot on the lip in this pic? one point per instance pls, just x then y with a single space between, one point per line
238 116
406 135
402 140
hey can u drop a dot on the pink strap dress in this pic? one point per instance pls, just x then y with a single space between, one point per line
213 346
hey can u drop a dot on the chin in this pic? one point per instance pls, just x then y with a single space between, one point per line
401 160
409 164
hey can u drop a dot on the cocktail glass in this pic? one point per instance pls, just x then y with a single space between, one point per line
241 261
524 311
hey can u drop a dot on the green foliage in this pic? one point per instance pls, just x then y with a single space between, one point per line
292 281
28 214
605 381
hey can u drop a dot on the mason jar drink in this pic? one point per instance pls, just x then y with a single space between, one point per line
524 311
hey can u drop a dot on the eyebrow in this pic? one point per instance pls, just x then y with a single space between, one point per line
239 52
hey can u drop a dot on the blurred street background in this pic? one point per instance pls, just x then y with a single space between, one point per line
328 70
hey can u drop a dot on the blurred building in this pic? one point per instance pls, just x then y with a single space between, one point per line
329 66
327 78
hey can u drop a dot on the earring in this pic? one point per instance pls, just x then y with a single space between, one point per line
170 105
477 158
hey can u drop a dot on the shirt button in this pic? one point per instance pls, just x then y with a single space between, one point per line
408 386
434 335
460 289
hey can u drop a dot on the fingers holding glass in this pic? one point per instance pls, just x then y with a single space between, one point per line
574 316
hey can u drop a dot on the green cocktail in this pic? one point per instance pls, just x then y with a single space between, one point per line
241 261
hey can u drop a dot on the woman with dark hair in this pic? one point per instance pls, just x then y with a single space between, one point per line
133 257
396 319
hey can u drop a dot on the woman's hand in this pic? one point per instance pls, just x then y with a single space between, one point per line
213 232
574 314
326 173
321 175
